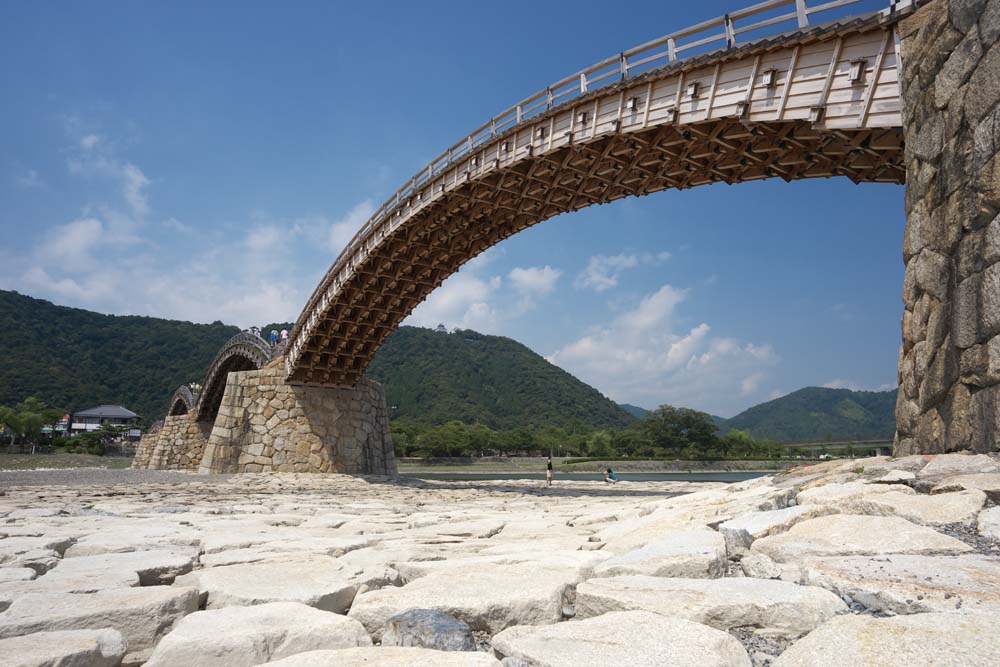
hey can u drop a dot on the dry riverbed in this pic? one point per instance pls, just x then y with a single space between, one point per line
871 562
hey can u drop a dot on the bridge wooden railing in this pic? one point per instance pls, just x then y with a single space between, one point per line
725 29
757 21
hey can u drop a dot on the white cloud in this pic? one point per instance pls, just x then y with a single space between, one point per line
603 271
264 238
644 356
841 383
463 300
89 142
28 179
343 230
72 245
532 283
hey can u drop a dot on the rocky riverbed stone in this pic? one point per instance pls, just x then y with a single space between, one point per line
316 582
905 584
11 574
487 600
959 464
854 535
988 523
928 640
428 628
388 656
741 532
692 553
68 648
245 636
988 483
929 510
141 615
771 607
622 638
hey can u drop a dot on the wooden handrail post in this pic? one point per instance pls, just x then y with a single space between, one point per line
800 13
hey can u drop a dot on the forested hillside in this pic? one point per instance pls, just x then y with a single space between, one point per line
817 413
434 377
75 359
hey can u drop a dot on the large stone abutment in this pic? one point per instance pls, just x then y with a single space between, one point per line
264 424
949 365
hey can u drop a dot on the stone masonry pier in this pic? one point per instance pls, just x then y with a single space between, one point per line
266 425
949 365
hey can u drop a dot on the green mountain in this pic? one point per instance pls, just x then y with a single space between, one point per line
434 377
634 410
816 413
75 359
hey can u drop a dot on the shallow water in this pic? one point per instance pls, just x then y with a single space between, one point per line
737 476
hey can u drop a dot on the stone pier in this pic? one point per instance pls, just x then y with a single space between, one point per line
265 425
949 366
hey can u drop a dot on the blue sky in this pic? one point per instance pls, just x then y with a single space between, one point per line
208 162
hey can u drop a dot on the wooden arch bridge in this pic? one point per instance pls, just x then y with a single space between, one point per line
814 101
768 91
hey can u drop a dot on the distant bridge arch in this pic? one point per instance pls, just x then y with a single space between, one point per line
182 402
817 101
243 352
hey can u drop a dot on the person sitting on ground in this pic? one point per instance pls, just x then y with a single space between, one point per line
610 477
548 472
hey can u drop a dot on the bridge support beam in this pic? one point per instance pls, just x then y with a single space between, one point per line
266 425
949 364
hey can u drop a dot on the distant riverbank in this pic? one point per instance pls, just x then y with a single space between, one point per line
522 465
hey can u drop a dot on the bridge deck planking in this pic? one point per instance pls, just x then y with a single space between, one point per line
644 134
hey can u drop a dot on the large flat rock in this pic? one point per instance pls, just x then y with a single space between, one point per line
141 615
316 582
388 656
69 648
988 483
904 584
959 464
988 523
855 535
245 636
623 639
148 568
488 599
741 532
929 510
837 494
927 640
772 607
689 553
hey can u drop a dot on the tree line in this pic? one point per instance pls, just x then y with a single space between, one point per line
667 432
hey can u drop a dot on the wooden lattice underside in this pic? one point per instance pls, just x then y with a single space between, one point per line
182 401
402 268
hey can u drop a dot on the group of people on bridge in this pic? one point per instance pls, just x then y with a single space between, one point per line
273 337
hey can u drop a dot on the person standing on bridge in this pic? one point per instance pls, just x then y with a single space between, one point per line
274 337
284 334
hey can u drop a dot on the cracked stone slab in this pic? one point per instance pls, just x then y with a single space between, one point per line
771 607
68 648
927 640
905 584
245 636
856 535
388 656
620 639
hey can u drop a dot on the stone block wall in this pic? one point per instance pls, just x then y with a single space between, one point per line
949 365
266 425
178 445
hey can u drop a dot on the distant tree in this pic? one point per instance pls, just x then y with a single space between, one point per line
677 429
9 422
51 418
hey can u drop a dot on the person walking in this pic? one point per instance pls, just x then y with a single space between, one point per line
548 472
284 334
